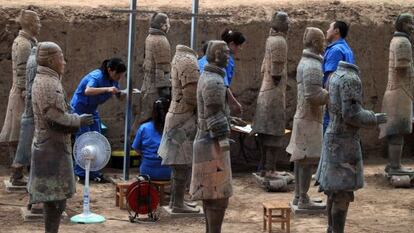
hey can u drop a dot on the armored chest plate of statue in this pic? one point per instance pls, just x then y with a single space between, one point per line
342 169
180 124
157 66
306 139
211 176
397 102
270 109
51 173
15 107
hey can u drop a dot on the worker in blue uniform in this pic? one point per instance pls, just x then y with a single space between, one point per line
93 90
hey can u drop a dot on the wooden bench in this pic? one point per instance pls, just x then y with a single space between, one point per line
121 192
161 189
122 187
269 217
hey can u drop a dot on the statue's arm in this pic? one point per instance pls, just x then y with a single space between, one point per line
352 111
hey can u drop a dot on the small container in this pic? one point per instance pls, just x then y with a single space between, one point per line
401 181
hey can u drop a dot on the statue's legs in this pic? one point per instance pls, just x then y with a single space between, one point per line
270 149
273 149
338 204
23 151
179 177
297 189
262 156
305 177
270 165
395 147
339 212
17 177
52 213
214 211
329 203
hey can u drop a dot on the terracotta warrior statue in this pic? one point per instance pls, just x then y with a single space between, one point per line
398 97
157 65
306 141
269 119
176 146
24 147
24 42
51 175
340 170
211 175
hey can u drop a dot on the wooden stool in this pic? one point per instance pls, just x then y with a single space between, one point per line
120 196
283 218
161 188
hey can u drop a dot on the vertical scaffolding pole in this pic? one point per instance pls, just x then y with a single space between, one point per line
128 112
194 15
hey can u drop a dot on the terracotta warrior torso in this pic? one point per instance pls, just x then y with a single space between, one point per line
23 152
21 48
211 176
51 177
270 109
397 102
306 139
157 66
180 124
341 167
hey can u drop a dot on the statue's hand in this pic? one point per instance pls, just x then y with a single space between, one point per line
381 118
86 119
23 95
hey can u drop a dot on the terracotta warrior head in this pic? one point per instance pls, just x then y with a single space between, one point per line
50 55
405 23
314 40
160 21
30 22
218 53
280 22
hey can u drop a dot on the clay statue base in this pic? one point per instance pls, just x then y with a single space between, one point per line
10 188
168 210
389 174
297 211
28 216
400 181
275 184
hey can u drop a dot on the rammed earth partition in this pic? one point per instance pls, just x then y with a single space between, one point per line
90 35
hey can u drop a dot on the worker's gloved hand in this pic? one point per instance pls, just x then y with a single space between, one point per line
112 90
86 119
164 92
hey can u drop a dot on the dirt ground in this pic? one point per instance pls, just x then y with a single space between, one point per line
378 208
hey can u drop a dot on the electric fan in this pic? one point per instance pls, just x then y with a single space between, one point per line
92 152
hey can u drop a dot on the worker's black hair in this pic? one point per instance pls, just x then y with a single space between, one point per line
343 28
159 111
229 36
204 47
114 64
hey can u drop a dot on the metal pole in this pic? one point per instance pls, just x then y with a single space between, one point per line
194 16
128 113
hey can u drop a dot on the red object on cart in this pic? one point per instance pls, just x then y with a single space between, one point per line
142 198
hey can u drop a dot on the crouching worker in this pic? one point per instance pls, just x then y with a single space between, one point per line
93 90
147 141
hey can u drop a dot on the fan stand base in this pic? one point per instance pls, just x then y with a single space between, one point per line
87 219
